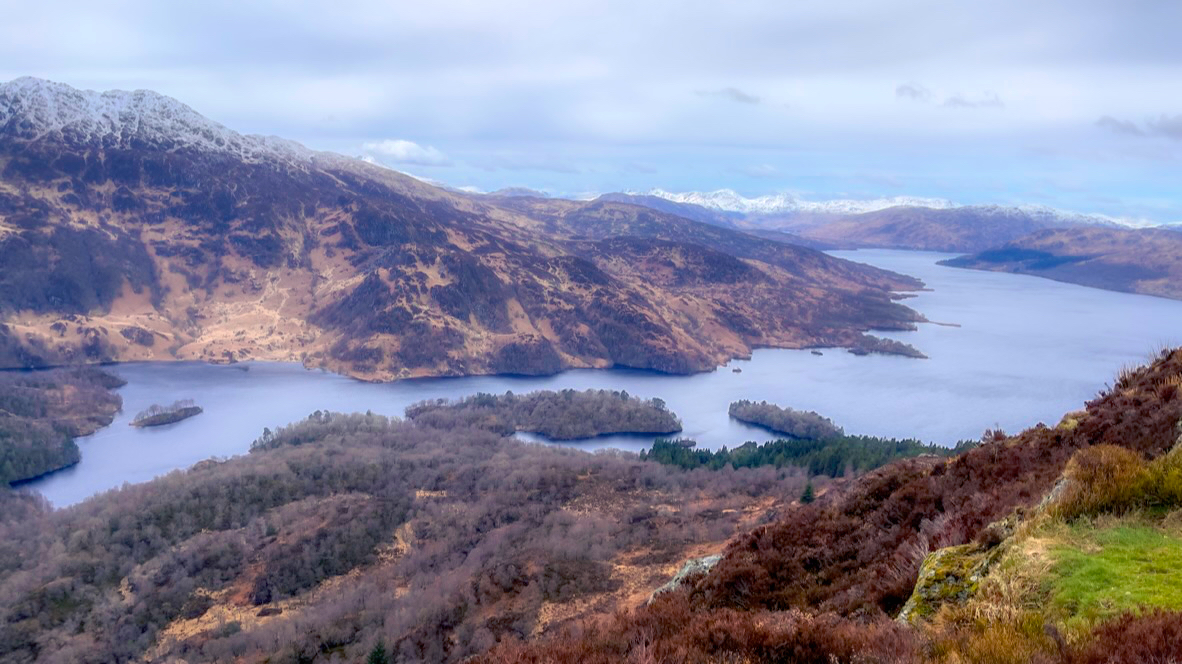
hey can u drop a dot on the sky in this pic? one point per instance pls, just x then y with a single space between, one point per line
1075 105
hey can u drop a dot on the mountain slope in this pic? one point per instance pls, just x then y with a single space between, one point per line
989 542
1147 261
133 228
892 223
962 229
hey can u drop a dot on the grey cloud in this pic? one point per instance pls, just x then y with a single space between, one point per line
913 91
1165 126
1170 127
1119 126
988 100
920 93
733 94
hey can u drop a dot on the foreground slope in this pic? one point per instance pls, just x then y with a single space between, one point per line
824 581
1147 261
133 228
343 531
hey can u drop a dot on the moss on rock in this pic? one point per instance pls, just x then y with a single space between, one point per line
953 574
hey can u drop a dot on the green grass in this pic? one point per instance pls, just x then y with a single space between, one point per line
1102 572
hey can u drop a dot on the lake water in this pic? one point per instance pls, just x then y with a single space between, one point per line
1023 350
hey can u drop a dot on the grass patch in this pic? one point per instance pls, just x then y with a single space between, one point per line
1100 572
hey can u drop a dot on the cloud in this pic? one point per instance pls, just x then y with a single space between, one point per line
913 91
1165 126
987 100
1170 127
732 94
407 152
920 93
1119 126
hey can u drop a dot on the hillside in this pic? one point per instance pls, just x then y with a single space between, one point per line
962 229
919 224
343 531
1147 261
41 413
133 228
1049 546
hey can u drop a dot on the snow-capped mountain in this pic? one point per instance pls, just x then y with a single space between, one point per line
32 109
729 201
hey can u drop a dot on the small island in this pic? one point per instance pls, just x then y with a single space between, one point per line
565 415
156 415
786 421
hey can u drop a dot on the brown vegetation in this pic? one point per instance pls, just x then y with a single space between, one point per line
1147 261
565 415
157 415
787 421
854 554
42 412
926 229
344 528
119 250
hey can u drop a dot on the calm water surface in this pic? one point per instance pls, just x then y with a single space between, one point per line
1023 350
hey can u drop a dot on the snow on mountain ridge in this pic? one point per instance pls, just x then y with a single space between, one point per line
32 109
727 200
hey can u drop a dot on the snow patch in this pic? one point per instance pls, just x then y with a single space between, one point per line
727 200
33 109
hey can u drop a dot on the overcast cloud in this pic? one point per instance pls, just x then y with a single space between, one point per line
975 102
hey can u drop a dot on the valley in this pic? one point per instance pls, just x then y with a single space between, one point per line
135 229
590 333
985 372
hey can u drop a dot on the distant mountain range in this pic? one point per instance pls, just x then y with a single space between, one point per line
133 228
893 223
785 205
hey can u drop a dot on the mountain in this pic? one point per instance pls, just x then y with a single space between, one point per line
688 210
726 200
892 223
713 217
957 230
133 228
1147 261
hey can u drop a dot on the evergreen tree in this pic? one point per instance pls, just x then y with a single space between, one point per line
378 654
808 496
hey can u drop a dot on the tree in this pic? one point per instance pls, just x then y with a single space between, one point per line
808 496
378 654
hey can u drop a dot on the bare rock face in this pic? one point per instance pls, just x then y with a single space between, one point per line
133 228
692 567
